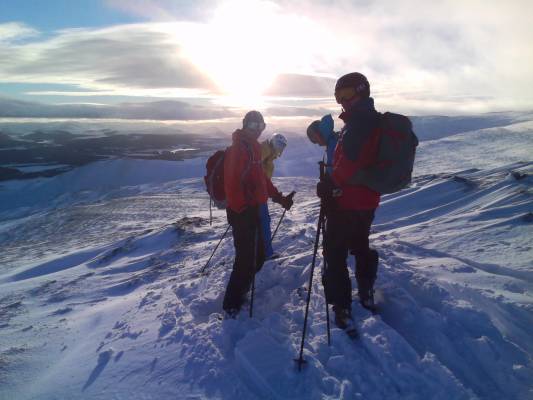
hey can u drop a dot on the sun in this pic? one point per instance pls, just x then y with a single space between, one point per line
243 48
247 44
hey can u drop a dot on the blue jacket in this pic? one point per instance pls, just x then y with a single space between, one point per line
330 137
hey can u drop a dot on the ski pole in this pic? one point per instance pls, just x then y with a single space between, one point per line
320 226
210 212
300 359
213 253
281 219
323 273
254 268
322 168
277 226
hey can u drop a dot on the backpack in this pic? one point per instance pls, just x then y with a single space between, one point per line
214 179
393 168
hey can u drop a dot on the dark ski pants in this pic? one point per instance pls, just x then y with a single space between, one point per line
246 232
348 230
265 229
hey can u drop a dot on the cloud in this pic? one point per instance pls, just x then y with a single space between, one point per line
296 85
166 10
418 55
11 31
296 112
448 51
159 110
128 56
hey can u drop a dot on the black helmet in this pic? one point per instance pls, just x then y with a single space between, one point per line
356 81
253 120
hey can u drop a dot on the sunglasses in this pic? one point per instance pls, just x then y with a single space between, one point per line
256 126
345 94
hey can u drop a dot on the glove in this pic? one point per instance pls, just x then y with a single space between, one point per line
324 189
285 201
277 198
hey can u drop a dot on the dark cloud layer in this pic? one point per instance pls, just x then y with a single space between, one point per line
159 110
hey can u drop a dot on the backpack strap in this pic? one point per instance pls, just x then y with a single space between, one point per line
248 167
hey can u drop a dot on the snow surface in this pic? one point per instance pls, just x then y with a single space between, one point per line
101 295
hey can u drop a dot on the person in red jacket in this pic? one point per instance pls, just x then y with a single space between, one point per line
246 187
350 207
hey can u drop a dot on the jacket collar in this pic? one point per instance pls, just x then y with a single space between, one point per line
244 135
361 107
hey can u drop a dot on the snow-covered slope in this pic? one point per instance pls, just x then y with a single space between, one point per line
103 299
116 178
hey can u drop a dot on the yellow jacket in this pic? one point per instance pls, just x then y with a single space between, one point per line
268 155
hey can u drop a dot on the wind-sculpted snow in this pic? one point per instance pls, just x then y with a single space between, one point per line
105 300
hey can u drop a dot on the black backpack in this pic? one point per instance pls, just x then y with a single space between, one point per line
395 158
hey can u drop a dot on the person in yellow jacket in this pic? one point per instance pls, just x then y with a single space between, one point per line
270 150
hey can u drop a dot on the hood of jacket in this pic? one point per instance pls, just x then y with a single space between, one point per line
326 127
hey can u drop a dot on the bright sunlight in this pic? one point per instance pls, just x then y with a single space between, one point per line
247 44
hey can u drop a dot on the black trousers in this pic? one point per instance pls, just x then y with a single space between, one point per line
348 230
246 233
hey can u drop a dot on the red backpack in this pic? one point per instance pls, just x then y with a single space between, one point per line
214 179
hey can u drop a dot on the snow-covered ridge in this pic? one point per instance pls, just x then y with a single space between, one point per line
100 295
124 310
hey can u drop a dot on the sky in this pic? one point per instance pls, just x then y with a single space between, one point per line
212 60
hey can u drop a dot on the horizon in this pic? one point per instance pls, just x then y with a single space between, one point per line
192 64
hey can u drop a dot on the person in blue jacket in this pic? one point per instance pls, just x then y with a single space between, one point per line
321 132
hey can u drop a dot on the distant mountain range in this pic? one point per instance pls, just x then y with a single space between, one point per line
65 150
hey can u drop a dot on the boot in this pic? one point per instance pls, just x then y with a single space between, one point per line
343 317
366 298
231 313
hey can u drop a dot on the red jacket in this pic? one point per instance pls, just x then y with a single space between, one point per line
361 133
245 182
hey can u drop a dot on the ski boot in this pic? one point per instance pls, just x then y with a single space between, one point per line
231 313
343 319
366 298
